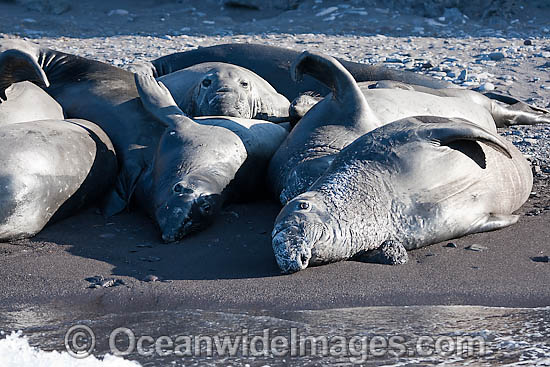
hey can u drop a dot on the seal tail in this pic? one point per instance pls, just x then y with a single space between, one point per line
18 66
327 70
446 131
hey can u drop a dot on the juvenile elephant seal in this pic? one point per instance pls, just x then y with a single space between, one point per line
219 89
201 164
517 113
50 169
273 64
344 115
415 182
25 101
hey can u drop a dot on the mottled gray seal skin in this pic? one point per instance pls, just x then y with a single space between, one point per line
202 163
25 101
50 169
344 115
219 89
416 182
273 64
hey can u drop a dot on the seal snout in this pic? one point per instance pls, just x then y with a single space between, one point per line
292 253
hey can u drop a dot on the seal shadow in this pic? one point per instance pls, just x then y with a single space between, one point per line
237 245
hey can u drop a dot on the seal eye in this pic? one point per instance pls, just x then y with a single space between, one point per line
206 83
244 84
304 205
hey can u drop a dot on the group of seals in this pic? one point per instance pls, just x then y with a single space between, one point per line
51 167
179 171
354 173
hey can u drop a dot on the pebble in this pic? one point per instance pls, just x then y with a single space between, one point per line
541 259
151 278
476 247
496 56
118 12
485 87
451 245
150 259
99 281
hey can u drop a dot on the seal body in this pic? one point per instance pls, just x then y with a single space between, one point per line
219 89
201 163
26 101
416 181
273 64
50 169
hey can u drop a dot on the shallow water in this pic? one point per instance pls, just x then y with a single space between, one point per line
374 336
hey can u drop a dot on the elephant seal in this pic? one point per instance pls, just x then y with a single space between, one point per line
517 113
219 89
50 169
344 115
273 64
25 101
202 163
415 182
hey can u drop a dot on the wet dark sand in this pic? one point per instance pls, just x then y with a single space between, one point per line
231 266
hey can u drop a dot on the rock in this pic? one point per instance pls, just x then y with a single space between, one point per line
99 281
496 56
151 278
476 247
486 87
451 245
463 75
47 6
262 4
541 259
528 42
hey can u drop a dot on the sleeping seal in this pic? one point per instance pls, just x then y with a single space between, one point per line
344 115
218 89
50 169
25 101
517 113
201 163
413 182
273 64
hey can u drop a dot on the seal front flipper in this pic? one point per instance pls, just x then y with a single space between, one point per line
18 66
389 253
120 196
158 100
492 222
448 131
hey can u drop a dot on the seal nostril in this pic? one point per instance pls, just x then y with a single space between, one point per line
206 83
180 189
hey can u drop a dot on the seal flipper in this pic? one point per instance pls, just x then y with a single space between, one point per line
492 222
120 196
389 253
18 66
328 71
448 130
158 101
